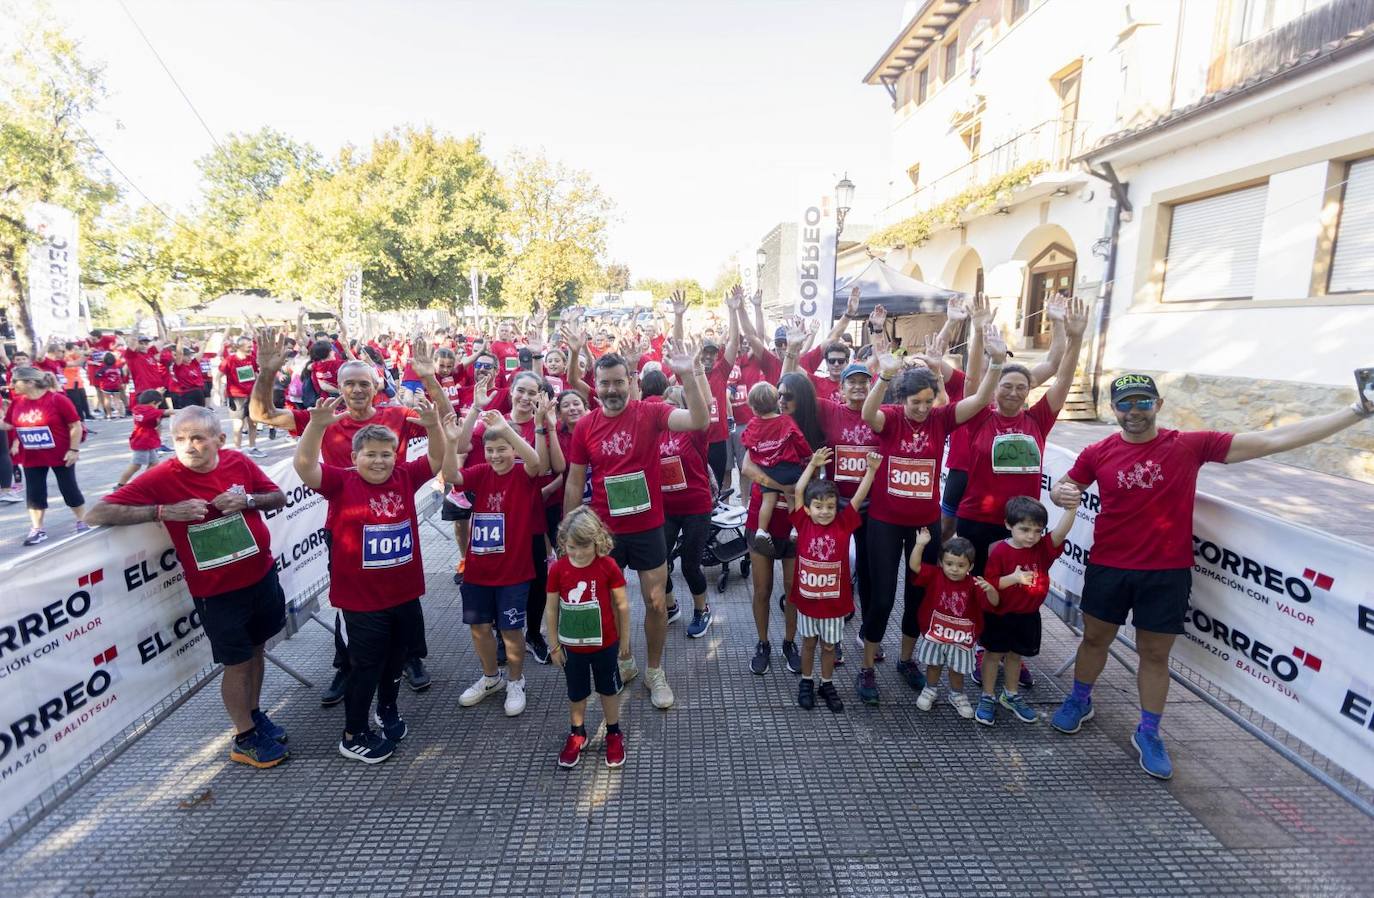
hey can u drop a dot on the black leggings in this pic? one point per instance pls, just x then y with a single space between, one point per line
694 529
6 466
78 397
983 535
36 486
538 597
715 460
861 569
889 549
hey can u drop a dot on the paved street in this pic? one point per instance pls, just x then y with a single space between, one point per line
734 791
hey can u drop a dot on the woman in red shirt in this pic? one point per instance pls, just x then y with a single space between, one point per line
44 431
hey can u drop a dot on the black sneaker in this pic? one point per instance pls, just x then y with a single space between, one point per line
416 675
912 674
335 693
782 603
536 646
831 698
674 612
806 693
762 658
789 651
839 653
393 727
367 747
500 649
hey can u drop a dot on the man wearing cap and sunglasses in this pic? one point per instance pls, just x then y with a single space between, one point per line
1142 552
835 352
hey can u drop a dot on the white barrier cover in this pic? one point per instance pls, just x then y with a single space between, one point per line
1282 618
93 637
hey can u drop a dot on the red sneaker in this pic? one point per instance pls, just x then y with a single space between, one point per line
572 751
615 749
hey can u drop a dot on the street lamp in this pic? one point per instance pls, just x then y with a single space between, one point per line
761 258
844 201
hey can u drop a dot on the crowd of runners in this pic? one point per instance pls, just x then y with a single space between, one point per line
571 457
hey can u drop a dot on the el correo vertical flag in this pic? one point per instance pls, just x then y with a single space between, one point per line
815 292
54 277
747 258
353 302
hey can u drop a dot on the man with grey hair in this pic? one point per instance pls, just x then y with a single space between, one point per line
211 500
358 382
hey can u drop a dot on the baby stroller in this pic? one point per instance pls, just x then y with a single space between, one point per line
725 541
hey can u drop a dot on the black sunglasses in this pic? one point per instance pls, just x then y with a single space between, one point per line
840 361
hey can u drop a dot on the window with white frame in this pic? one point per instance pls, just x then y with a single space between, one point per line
1259 17
1352 259
1214 246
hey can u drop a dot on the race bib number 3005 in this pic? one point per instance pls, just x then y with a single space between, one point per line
911 478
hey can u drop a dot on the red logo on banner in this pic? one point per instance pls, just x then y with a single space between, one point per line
106 656
1318 579
92 578
1307 659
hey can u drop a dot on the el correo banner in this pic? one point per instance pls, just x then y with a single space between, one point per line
353 302
815 292
1281 617
54 277
748 270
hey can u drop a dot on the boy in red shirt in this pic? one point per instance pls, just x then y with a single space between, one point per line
951 618
821 589
144 438
1019 567
587 611
775 443
376 574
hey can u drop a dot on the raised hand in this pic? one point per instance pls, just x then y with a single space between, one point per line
573 335
735 298
934 353
451 428
271 348
429 413
889 365
328 410
679 302
922 536
481 391
757 298
1077 321
493 421
821 457
874 460
1056 307
993 343
956 309
980 310
544 409
851 308
422 357
679 357
880 342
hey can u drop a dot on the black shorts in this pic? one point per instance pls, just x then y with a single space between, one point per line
450 511
1157 600
1014 632
238 405
642 551
581 668
182 400
786 473
239 621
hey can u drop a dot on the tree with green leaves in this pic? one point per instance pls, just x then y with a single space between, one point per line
696 296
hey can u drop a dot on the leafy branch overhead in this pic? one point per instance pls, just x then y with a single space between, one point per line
974 200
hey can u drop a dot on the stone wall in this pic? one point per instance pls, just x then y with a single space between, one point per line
1202 402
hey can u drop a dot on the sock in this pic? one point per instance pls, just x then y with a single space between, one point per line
1009 692
1149 723
761 533
825 681
580 730
247 734
1082 692
612 728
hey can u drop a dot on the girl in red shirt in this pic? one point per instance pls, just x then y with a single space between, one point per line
951 617
777 446
588 608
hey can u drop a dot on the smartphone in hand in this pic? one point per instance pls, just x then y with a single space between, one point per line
1364 385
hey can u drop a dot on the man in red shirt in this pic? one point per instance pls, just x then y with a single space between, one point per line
240 370
211 500
620 441
754 363
146 369
185 379
1142 553
835 352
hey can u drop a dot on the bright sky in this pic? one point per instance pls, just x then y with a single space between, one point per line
699 118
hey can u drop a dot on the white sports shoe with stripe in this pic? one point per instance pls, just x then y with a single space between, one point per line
478 691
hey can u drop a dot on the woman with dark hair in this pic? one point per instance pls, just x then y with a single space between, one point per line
906 497
44 432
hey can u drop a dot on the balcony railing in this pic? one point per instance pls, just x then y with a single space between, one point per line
1057 141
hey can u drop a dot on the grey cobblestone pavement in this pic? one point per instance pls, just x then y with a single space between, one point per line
734 791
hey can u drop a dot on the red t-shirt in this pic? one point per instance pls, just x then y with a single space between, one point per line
239 374
235 556
106 342
827 390
591 584
337 447
42 428
183 377
56 368
906 491
821 586
146 421
851 439
1147 489
780 527
374 537
145 368
1004 459
110 380
526 431
452 385
623 454
747 372
772 441
325 373
682 472
504 514
1004 558
718 403
959 604
507 356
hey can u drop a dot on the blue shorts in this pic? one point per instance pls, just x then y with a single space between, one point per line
414 386
503 606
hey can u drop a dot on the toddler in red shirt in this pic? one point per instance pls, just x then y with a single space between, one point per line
587 610
821 588
1019 567
144 439
778 447
951 618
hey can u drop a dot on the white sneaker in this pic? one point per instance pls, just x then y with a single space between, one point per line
515 697
11 496
628 670
961 704
484 687
656 681
926 700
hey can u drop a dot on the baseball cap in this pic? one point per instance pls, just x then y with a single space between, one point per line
780 334
852 369
1134 385
145 339
710 344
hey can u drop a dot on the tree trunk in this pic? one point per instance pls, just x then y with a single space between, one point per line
156 305
18 305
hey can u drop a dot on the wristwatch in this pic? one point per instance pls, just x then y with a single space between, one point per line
252 503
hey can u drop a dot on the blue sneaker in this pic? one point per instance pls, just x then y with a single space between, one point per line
701 622
268 728
258 751
866 686
986 714
1072 715
1014 703
912 674
1154 757
393 727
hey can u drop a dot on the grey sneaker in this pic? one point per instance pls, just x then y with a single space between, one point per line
660 693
